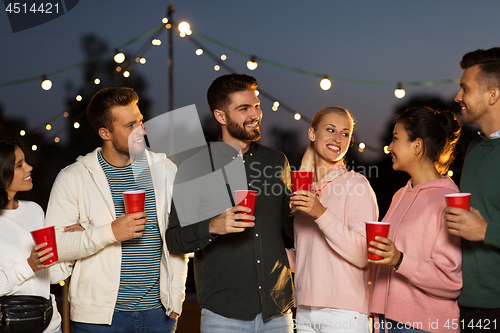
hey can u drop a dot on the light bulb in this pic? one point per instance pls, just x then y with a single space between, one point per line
119 58
184 27
252 64
325 84
399 92
46 83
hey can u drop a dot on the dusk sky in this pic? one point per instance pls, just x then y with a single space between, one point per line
385 41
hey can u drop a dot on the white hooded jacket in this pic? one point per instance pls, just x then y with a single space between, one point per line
81 194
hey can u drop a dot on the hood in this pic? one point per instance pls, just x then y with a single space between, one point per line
443 182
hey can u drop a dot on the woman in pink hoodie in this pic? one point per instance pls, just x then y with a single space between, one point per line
420 276
331 272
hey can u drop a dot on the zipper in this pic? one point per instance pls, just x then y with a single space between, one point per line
8 320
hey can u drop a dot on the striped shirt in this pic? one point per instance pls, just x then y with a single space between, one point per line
140 267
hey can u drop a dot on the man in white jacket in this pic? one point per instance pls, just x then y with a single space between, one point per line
123 277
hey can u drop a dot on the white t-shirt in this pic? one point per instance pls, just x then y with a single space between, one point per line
16 243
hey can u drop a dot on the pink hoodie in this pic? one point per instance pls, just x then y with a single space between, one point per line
331 264
423 291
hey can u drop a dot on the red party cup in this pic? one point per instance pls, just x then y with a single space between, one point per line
458 200
246 198
134 201
374 229
301 180
46 235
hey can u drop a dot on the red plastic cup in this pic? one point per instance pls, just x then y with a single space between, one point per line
301 180
246 198
46 235
458 200
134 201
374 229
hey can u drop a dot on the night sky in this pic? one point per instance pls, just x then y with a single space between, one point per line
385 41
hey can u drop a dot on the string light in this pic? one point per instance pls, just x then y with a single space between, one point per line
168 26
34 147
361 147
252 63
450 173
325 84
119 57
118 69
164 20
257 93
56 139
22 132
46 83
142 61
386 150
399 92
48 127
66 114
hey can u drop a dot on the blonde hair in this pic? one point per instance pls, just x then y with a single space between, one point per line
308 158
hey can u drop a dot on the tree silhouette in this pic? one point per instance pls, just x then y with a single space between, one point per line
110 74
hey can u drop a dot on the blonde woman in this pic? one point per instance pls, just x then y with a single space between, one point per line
331 273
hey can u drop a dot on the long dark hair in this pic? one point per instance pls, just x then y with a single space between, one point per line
7 163
439 132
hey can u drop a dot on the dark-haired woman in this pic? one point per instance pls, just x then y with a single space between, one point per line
420 276
22 271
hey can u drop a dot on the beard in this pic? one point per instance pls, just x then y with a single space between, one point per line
122 150
239 132
130 151
472 116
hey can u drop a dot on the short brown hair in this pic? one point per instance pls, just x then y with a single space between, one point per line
223 86
489 63
102 102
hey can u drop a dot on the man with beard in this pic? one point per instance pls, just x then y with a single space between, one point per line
242 274
479 97
123 277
